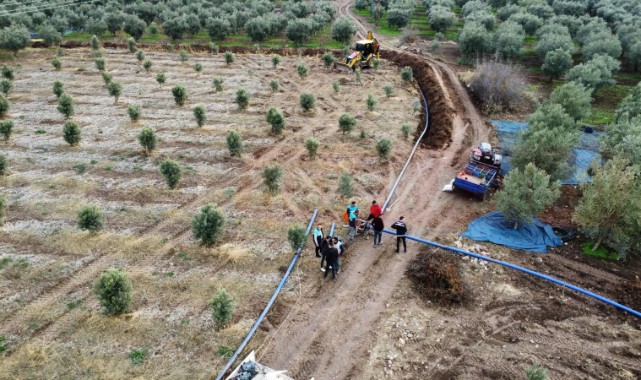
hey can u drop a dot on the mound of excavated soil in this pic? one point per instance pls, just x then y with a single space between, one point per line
436 277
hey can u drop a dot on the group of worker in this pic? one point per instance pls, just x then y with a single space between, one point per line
330 249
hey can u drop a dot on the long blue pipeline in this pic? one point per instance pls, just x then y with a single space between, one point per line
409 158
525 270
251 332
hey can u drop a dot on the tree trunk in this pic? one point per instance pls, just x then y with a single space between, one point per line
596 245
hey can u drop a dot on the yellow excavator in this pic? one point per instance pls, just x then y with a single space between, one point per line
361 56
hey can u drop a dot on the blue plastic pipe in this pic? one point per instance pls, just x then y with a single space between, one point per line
251 332
525 270
331 230
407 163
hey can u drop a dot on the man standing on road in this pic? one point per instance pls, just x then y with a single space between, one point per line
318 239
379 226
401 230
332 257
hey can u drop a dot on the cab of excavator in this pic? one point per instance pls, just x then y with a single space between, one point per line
365 47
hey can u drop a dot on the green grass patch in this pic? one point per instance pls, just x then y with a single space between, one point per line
3 346
225 351
605 102
529 40
600 253
628 76
137 357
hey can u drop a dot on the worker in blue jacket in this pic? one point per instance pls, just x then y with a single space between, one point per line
318 237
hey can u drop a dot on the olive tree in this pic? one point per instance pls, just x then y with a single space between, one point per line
180 95
299 30
276 119
623 138
172 172
147 139
134 26
509 39
115 90
71 132
630 105
474 40
343 30
223 306
556 63
90 218
65 105
272 178
551 42
15 38
242 98
346 123
602 43
49 35
398 16
441 18
6 128
595 73
113 289
234 143
218 28
574 98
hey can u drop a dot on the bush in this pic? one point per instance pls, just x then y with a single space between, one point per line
147 139
3 165
407 74
346 123
312 147
160 78
134 112
302 70
406 130
213 48
106 77
410 35
100 64
140 55
276 119
371 102
172 173
328 60
345 185
6 128
131 44
234 143
147 65
65 106
274 85
343 30
556 63
56 63
217 83
229 58
574 99
180 95
536 371
275 60
271 178
296 237
384 149
113 289
336 86
115 89
5 86
389 90
207 225
183 56
242 98
58 88
526 193
223 306
90 218
198 67
71 132
7 72
199 114
307 101
15 38
95 43
498 85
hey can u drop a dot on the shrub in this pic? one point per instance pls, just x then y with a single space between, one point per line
140 55
345 185
172 173
406 130
296 237
199 114
58 88
526 193
234 143
65 105
90 218
312 146
160 78
223 306
229 58
371 102
131 44
113 289
242 98
389 90
6 128
56 63
536 371
275 60
276 119
3 165
100 64
147 139
198 67
115 89
271 178
302 70
274 85
71 132
5 86
217 83
183 56
134 112
207 225
556 63
15 38
147 65
180 95
213 48
406 74
336 86
95 43
106 77
384 149
343 30
346 123
307 101
410 34
7 72
137 357
498 85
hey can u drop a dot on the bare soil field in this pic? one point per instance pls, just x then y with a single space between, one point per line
51 320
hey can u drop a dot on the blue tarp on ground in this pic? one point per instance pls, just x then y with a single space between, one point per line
580 159
493 227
